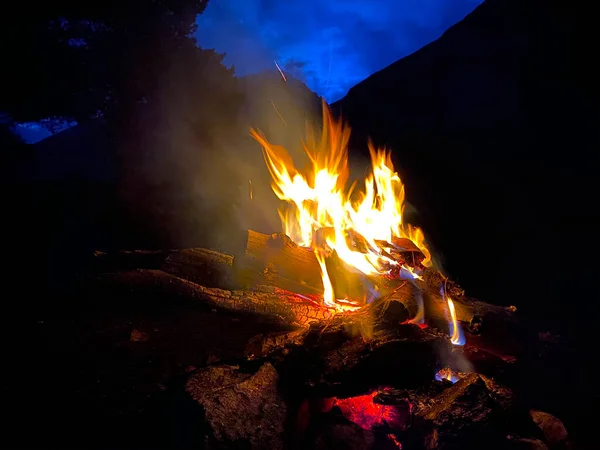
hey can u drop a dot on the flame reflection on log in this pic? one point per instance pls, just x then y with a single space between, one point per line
368 414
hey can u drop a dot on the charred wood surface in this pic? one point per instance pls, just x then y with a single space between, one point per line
276 260
337 360
200 265
354 351
272 269
471 413
203 266
281 305
128 260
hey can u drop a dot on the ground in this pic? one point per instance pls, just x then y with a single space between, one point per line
76 376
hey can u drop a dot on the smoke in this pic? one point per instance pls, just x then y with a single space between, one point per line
200 178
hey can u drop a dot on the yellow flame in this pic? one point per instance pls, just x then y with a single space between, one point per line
324 213
456 337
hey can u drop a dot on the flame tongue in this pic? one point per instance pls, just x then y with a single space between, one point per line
326 215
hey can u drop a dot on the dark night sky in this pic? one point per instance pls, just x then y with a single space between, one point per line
333 43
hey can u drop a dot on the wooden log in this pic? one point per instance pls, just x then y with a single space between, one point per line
355 352
469 415
275 260
278 304
202 266
128 260
494 329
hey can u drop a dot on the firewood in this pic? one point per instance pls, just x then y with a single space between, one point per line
470 413
276 260
114 261
203 266
200 265
355 351
347 356
281 305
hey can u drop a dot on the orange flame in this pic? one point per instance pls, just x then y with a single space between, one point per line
456 337
322 212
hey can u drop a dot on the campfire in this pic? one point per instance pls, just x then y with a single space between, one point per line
380 350
363 228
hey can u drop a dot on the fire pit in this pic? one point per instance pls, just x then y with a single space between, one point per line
382 349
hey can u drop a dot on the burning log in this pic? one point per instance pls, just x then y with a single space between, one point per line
275 260
278 304
355 351
277 269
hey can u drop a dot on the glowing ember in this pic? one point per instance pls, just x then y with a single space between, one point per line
280 71
323 213
367 414
395 440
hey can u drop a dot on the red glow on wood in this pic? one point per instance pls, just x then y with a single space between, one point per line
367 414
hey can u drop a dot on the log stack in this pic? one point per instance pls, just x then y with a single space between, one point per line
328 369
270 274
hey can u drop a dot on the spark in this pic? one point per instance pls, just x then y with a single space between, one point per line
278 113
280 71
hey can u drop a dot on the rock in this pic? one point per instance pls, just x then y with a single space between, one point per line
554 431
138 336
243 410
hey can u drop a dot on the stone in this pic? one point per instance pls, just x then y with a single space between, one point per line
554 431
241 410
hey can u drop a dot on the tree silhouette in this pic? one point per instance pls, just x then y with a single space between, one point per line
81 60
165 104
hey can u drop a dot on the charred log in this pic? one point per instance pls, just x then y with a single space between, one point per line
353 352
470 414
199 265
277 261
282 306
128 260
276 270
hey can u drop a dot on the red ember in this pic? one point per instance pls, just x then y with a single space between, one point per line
367 414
